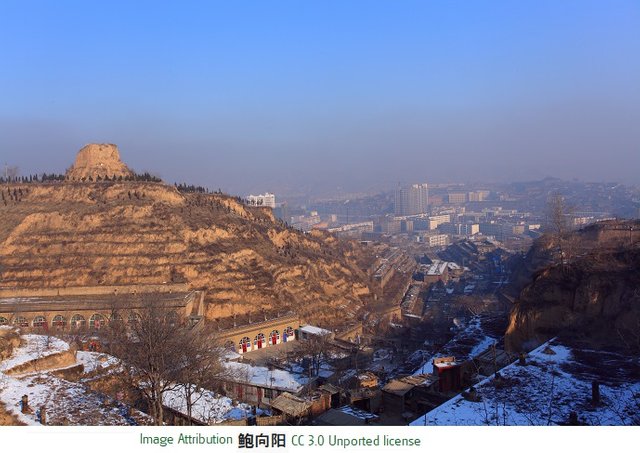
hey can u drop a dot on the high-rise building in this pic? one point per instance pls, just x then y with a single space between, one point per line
412 200
457 197
478 195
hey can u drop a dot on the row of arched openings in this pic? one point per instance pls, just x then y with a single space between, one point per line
60 322
261 340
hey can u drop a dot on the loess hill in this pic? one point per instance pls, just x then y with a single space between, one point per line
593 295
83 232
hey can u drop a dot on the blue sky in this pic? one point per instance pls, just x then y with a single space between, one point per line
310 96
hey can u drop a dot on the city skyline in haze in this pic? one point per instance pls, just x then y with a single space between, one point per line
312 96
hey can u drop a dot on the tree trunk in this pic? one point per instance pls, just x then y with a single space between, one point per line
159 412
188 394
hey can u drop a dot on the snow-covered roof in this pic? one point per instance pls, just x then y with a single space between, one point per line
411 315
358 413
445 362
437 268
468 343
264 377
313 330
207 407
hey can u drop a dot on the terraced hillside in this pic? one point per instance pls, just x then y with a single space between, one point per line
71 233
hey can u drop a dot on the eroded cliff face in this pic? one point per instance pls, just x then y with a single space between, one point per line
594 296
98 160
122 233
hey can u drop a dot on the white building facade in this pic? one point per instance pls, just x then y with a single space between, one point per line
267 199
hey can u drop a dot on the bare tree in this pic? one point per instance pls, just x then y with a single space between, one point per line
116 328
200 362
160 351
558 225
317 348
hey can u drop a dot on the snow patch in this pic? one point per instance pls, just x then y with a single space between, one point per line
264 377
207 407
543 392
34 347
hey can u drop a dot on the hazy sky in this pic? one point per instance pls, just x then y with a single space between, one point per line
281 96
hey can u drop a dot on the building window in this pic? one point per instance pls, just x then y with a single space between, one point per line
20 321
78 322
59 322
3 321
96 322
268 393
40 322
115 319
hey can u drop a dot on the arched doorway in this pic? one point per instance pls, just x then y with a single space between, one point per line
116 319
229 346
97 321
260 341
78 322
40 322
288 334
274 337
245 344
20 321
59 322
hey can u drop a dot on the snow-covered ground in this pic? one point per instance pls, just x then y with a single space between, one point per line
95 361
207 407
34 347
468 343
264 377
66 402
74 403
556 381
